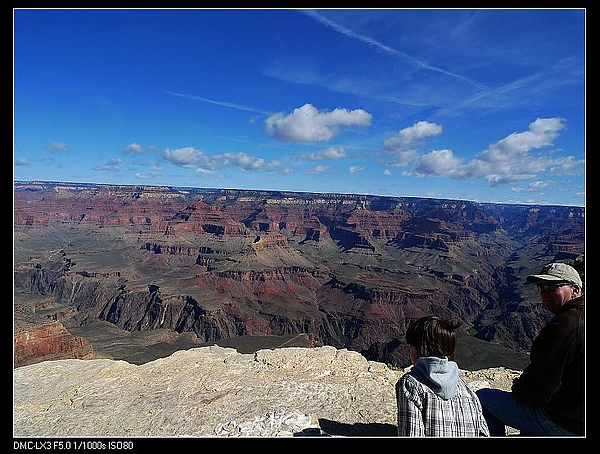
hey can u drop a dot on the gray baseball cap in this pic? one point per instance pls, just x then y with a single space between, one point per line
556 272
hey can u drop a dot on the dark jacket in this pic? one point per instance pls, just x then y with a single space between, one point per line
555 377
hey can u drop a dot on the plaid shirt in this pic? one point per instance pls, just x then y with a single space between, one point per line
422 413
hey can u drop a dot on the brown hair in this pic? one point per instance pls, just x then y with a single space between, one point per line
433 336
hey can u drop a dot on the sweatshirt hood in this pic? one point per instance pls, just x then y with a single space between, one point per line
439 374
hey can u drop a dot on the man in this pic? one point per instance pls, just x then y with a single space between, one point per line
548 398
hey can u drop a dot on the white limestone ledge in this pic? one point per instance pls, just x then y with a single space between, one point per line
216 392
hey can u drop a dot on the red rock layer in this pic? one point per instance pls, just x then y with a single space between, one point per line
48 342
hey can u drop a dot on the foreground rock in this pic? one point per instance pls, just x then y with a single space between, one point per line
216 392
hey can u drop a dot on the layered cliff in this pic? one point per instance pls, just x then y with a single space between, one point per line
48 342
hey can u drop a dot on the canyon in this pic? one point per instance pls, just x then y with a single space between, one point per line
136 273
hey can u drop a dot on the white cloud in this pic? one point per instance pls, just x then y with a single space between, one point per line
190 157
307 124
437 162
542 133
317 170
519 156
406 137
112 166
566 166
133 148
510 159
328 153
353 170
244 161
185 157
533 186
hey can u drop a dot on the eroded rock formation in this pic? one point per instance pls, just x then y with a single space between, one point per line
48 342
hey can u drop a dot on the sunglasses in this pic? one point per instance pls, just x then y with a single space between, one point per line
551 287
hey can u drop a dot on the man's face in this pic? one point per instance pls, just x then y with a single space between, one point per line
553 296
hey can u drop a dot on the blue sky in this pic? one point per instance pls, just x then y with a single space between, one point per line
472 104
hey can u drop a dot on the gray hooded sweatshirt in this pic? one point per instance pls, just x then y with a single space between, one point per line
439 374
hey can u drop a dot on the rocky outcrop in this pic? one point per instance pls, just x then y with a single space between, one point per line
217 392
48 342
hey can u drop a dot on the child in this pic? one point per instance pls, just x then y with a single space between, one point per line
433 401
